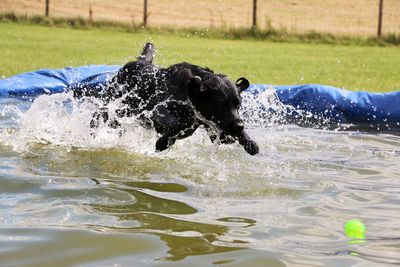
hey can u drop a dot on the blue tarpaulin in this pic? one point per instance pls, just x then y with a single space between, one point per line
31 84
348 107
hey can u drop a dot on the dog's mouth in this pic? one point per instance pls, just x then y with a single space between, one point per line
233 129
229 128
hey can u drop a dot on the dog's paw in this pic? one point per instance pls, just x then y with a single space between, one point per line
251 147
163 143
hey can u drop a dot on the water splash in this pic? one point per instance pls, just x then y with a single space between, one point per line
262 108
63 120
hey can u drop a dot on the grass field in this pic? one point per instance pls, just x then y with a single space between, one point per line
26 47
348 17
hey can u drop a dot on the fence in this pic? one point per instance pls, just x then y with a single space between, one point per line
338 17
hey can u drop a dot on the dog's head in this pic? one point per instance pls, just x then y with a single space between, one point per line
217 99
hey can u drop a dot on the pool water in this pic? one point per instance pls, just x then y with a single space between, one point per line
71 197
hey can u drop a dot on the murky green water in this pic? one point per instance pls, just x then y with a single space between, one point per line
68 199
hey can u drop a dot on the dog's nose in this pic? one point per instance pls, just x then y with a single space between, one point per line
237 127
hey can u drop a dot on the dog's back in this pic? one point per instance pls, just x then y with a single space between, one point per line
142 85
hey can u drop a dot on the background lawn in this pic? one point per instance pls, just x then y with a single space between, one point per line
26 48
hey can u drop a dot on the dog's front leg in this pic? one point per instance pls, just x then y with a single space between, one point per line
172 132
172 121
166 124
169 127
248 144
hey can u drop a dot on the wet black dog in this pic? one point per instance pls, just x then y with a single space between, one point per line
177 100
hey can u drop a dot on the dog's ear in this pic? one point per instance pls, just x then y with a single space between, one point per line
195 85
242 84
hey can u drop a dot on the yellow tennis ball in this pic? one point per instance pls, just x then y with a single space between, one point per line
355 229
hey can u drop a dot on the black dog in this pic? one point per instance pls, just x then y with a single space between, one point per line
177 100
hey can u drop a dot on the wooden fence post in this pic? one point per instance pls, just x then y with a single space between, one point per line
254 14
145 13
90 13
47 8
380 18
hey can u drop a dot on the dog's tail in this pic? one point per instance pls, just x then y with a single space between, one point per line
147 54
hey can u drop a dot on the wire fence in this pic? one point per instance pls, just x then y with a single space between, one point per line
338 17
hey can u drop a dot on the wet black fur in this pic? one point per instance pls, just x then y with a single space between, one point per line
177 100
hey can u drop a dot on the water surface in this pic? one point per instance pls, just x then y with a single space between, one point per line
71 198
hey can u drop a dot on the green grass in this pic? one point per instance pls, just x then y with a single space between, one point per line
373 68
